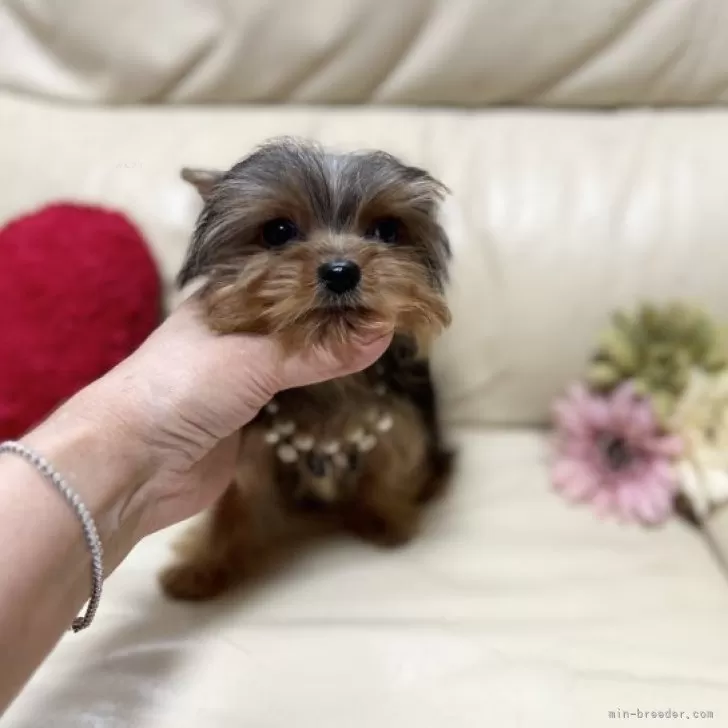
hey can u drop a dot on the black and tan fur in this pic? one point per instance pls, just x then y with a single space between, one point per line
342 206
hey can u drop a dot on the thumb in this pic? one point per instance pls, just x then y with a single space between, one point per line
321 363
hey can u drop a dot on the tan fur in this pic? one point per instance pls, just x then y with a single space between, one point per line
257 290
244 535
251 530
277 295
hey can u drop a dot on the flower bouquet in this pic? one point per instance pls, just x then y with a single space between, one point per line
644 436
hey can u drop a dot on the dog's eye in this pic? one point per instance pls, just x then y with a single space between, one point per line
279 232
386 229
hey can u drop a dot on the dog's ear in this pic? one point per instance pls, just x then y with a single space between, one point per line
203 180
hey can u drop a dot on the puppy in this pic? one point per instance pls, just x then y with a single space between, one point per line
313 248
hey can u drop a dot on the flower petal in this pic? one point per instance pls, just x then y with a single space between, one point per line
669 446
668 484
663 471
604 502
646 510
568 417
653 501
640 423
579 489
574 479
623 401
629 498
597 413
655 511
665 502
578 393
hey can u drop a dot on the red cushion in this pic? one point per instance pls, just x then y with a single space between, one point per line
79 291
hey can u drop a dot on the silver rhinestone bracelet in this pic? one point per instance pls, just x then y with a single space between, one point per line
90 532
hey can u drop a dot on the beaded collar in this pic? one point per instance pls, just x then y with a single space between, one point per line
291 443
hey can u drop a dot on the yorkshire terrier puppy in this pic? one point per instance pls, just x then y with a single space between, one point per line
314 247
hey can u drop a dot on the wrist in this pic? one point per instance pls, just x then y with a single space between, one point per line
92 445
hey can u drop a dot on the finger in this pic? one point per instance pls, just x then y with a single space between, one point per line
268 369
321 363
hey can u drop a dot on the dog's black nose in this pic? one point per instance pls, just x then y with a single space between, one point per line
340 276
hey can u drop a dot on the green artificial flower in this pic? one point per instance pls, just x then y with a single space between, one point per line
658 348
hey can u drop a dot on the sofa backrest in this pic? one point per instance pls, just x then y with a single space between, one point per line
403 52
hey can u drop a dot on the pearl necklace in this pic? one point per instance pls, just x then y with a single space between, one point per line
291 443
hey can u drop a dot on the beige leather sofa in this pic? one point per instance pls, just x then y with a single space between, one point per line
601 178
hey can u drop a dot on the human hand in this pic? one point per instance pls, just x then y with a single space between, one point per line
178 404
152 442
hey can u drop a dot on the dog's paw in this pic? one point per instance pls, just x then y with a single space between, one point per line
376 528
194 582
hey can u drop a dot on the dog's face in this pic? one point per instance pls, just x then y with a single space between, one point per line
311 246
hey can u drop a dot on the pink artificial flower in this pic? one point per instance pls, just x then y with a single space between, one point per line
612 452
